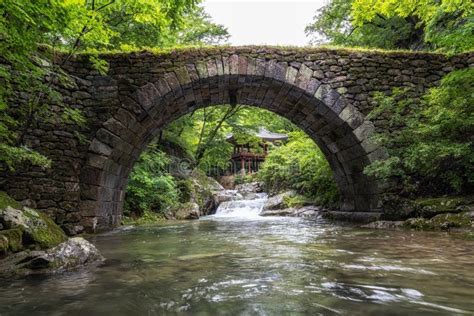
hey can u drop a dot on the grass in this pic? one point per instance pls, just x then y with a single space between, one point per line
222 48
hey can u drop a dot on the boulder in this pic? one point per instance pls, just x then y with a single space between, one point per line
278 201
189 210
449 220
227 195
71 254
38 228
248 188
279 212
308 211
445 221
304 211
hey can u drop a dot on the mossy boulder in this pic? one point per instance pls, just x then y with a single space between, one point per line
430 207
189 210
440 222
38 229
418 223
11 240
449 220
200 189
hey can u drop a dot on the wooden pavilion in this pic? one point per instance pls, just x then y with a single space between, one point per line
247 160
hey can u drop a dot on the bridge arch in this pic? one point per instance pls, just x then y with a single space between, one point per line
291 90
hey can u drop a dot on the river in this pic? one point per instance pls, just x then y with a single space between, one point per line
238 263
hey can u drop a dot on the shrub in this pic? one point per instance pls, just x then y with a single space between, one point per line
300 165
150 187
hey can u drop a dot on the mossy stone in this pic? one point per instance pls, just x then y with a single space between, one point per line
11 240
449 220
430 207
418 223
45 235
440 222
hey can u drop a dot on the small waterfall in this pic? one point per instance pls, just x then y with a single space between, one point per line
248 206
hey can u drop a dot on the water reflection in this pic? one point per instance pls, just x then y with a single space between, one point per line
258 267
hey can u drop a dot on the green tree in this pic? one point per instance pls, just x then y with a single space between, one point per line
68 26
444 25
334 23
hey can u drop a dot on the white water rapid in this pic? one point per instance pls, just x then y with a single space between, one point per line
247 207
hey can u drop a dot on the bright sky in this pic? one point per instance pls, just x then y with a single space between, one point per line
264 21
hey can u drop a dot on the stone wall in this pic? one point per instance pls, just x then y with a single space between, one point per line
326 92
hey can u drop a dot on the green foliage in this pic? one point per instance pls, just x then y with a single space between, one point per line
442 21
443 25
13 157
32 33
296 200
431 150
300 165
203 132
147 217
150 187
333 23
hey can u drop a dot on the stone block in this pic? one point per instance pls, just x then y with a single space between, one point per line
327 95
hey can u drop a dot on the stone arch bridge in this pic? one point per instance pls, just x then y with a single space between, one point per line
326 92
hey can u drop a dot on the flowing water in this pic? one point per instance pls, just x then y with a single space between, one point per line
237 263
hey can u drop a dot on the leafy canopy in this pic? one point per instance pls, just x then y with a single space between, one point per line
445 25
70 26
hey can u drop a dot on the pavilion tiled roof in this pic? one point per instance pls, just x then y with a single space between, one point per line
263 134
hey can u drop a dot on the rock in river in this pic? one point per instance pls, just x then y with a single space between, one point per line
37 228
189 210
73 253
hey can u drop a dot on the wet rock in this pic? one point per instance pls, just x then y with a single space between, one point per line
39 230
249 188
188 211
308 211
384 224
214 185
278 201
279 212
305 211
227 195
73 253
